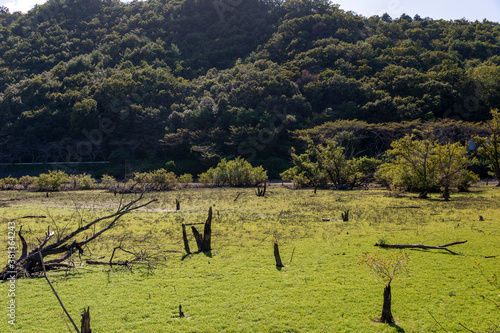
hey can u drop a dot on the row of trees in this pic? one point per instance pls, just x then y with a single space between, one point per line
238 172
417 162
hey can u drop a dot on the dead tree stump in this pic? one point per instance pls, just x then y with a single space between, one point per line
198 238
277 255
386 309
184 237
203 241
86 321
181 314
207 233
345 216
261 193
177 204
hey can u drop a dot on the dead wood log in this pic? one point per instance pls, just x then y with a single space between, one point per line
386 316
86 321
203 241
199 239
277 256
207 233
345 216
422 246
261 193
30 262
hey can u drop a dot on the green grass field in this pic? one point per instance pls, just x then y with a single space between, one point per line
323 287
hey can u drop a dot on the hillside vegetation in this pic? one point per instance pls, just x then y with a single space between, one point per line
196 81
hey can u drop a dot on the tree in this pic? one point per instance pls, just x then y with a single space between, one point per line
238 172
387 268
342 172
305 172
321 164
411 165
426 165
452 163
489 147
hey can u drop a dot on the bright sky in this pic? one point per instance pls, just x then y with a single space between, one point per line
445 9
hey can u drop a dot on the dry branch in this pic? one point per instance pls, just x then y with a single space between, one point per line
29 263
55 293
422 246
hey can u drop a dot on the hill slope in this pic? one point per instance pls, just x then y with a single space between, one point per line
194 80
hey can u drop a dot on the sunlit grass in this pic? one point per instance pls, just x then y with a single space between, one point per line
238 289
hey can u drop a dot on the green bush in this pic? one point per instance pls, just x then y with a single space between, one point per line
83 181
8 183
157 180
185 179
109 182
237 172
51 181
27 181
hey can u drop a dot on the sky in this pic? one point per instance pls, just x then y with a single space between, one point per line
436 9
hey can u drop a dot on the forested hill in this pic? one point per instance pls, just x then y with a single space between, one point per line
197 80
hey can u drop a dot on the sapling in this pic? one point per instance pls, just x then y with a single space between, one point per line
387 268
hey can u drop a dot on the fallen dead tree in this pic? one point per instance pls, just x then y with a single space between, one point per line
421 246
29 263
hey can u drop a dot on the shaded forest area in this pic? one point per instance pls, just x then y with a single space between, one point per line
195 81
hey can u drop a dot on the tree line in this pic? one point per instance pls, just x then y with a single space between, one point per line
418 162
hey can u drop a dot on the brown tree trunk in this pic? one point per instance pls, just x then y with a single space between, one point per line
207 233
277 256
446 194
423 195
386 309
198 238
184 237
86 321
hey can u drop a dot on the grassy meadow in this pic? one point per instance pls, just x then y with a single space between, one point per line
238 288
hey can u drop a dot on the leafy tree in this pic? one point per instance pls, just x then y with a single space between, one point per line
51 181
452 163
489 147
237 172
425 165
305 172
322 164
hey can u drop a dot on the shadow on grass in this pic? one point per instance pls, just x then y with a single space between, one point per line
399 329
206 253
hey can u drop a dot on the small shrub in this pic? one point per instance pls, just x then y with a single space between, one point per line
185 179
109 183
27 181
237 172
51 181
82 182
159 179
8 183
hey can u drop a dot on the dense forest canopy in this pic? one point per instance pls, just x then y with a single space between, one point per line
198 80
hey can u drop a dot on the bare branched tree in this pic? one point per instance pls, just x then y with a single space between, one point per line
30 264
